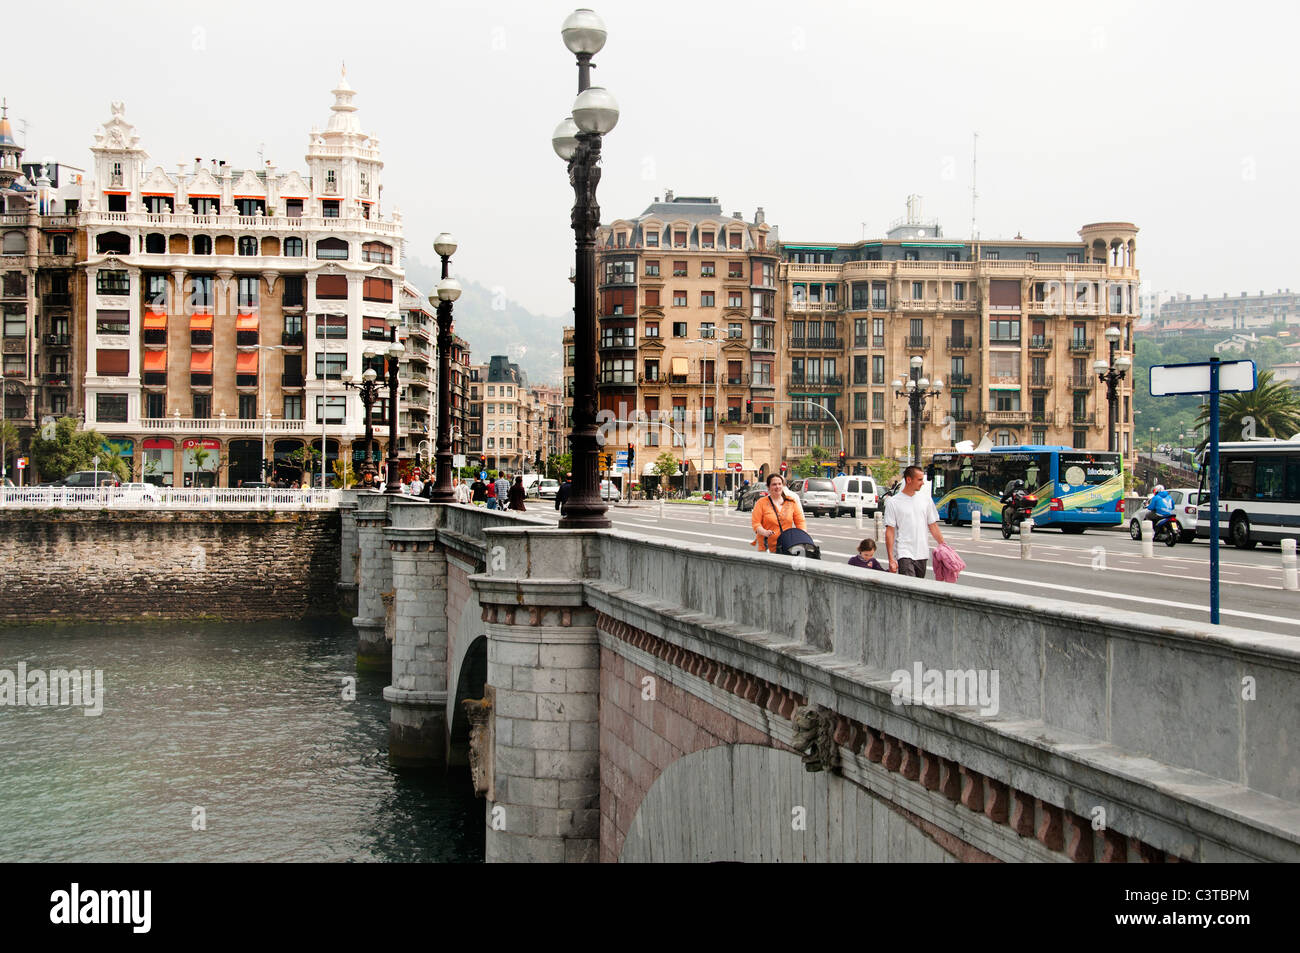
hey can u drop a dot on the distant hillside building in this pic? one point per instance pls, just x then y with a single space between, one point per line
1233 314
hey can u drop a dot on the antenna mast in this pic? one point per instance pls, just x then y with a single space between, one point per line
974 195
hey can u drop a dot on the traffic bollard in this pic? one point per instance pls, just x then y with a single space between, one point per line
661 508
1289 580
858 509
879 529
975 525
1148 544
1026 538
712 518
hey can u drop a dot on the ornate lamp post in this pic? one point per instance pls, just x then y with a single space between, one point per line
577 140
448 291
369 391
917 390
393 485
1111 373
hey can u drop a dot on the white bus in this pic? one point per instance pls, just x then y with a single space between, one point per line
1259 492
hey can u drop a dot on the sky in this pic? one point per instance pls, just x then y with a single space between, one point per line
1178 117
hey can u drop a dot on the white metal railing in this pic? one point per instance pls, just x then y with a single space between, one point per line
221 425
165 498
269 222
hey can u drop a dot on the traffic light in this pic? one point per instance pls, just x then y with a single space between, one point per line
631 456
841 460
749 405
482 459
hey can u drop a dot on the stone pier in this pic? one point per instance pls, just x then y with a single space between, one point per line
374 580
349 557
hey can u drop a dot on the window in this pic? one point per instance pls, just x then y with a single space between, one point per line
106 322
706 329
652 268
679 239
989 255
248 291
250 207
331 326
1031 256
706 239
293 247
155 244
329 208
332 287
1004 331
155 405
735 299
733 239
59 245
679 329
336 408
859 406
247 406
377 289
764 337
377 252
860 369
293 407
112 283
618 371
877 369
877 443
652 329
335 248
1080 440
492 391
247 245
16 321
735 331
292 295
652 239
735 269
330 366
959 291
1072 257
763 305
707 269
1005 400
652 370
619 272
679 299
877 405
110 408
679 269
203 244
877 332
918 290
706 299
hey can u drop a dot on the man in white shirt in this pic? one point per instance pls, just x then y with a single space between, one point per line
909 517
462 491
417 485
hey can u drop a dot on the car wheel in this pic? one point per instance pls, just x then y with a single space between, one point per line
1188 537
1134 529
1239 531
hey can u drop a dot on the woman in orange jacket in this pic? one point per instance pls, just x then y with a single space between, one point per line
774 512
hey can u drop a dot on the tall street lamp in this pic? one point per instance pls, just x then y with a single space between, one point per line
448 290
393 486
577 140
261 400
1111 373
917 391
369 392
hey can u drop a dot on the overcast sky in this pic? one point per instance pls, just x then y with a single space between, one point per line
1179 117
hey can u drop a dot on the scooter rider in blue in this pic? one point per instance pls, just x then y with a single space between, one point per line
1161 505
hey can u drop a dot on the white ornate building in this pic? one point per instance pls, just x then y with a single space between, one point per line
226 308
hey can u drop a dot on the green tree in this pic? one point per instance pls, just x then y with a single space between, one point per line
8 443
304 458
343 475
885 471
1272 409
558 464
71 450
814 463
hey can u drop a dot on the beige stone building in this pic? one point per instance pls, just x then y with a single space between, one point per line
1011 328
687 336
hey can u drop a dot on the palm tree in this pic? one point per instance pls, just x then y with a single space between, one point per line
1272 409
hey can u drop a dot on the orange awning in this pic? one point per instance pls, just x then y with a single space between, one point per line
246 363
246 322
201 362
155 361
200 322
152 319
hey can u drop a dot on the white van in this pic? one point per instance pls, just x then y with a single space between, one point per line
855 490
531 481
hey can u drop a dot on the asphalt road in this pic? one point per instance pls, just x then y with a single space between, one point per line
1099 566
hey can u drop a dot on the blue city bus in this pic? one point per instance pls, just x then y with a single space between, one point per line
1075 488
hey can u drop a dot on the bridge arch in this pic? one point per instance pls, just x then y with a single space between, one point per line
753 803
471 682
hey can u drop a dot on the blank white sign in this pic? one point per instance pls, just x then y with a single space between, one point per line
1170 379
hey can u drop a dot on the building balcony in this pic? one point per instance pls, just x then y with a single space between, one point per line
916 342
184 218
1082 344
1042 381
292 340
958 416
814 307
1081 383
618 343
818 344
216 425
960 344
58 379
1083 418
58 340
820 382
1039 342
291 380
1005 342
763 344
959 380
996 417
1039 417
57 299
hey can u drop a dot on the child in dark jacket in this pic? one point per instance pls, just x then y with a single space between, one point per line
866 557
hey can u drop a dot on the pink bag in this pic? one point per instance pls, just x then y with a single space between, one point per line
947 564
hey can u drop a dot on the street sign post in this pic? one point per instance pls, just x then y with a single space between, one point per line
1212 377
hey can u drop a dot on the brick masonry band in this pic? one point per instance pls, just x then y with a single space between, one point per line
623 786
106 566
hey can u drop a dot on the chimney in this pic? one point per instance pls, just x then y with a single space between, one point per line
668 195
737 216
759 217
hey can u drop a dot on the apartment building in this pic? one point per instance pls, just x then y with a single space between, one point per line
1236 313
505 399
417 418
459 391
1011 329
38 296
687 335
225 307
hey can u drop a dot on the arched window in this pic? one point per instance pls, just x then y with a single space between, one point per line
247 245
15 243
332 248
203 244
293 247
107 243
155 243
377 252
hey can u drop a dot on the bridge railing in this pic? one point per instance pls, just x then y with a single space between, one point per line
165 498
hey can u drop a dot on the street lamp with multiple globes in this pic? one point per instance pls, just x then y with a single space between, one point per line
369 391
393 485
917 390
448 290
577 140
1111 373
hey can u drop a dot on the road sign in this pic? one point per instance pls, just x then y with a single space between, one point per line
1211 377
22 463
736 467
1168 380
458 460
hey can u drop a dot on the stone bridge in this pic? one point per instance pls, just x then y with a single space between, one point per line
632 698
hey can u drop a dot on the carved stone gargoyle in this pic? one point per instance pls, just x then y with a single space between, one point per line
814 735
479 713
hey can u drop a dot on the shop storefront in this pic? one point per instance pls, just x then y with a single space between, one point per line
159 461
201 459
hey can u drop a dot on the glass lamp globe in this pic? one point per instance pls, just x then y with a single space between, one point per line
1123 362
1112 334
898 384
370 373
368 353
1100 366
923 382
444 245
565 139
393 319
448 289
346 377
595 110
911 384
916 361
583 32
395 349
938 384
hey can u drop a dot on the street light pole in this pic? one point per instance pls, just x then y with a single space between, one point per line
577 140
917 390
393 485
1111 373
448 291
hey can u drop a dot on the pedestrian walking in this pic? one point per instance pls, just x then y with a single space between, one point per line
492 495
517 493
461 489
910 517
866 556
478 492
563 493
417 485
775 512
503 490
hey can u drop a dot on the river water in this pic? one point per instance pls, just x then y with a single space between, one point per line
244 729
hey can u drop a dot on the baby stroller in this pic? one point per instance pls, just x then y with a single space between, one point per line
795 542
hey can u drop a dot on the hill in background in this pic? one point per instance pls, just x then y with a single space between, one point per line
493 324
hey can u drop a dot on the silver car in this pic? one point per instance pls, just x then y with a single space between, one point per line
817 495
1185 508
